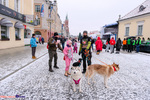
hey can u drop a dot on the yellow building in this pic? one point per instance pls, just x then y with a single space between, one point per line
136 23
16 23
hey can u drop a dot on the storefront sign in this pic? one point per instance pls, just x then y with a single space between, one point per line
11 13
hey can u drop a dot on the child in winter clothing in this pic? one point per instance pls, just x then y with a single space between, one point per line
75 47
68 53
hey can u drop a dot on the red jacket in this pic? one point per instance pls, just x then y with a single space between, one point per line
99 44
112 42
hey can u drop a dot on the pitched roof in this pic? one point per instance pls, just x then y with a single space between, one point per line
142 9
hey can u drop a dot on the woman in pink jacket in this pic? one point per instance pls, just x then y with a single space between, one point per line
99 45
68 54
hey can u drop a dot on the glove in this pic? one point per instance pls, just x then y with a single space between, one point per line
79 53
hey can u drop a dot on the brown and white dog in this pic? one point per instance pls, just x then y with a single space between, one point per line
105 70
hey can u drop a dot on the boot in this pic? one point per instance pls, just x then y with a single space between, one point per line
32 57
50 69
84 71
56 67
66 74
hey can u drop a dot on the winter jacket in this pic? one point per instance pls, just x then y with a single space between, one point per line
112 42
33 42
51 46
75 44
133 42
118 44
99 44
85 43
129 42
138 42
63 40
68 51
42 39
108 41
124 42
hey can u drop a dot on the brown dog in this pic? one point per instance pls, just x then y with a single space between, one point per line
104 70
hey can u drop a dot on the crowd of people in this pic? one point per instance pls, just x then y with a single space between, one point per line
85 49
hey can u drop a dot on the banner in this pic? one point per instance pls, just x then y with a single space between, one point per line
42 11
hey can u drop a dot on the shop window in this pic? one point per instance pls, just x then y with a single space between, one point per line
127 31
17 34
4 33
25 33
140 30
37 8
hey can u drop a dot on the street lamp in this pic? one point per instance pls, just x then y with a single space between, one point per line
50 20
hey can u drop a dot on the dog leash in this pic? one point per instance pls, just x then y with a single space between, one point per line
101 61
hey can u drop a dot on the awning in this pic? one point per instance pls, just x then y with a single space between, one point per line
28 29
5 22
19 25
109 33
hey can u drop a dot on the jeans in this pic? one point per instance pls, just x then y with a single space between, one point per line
111 48
137 48
33 51
107 47
63 45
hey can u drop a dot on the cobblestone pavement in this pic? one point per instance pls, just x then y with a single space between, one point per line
15 58
35 82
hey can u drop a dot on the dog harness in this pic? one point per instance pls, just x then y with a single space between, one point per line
114 68
77 81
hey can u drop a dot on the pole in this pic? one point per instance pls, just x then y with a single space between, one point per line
50 30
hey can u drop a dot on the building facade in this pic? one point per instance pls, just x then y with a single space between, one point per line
136 23
14 27
44 28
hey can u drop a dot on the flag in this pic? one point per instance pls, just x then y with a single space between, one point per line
42 11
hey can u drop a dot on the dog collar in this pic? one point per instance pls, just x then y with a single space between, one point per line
114 68
77 81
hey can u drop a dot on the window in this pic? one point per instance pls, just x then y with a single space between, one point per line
4 2
37 8
127 31
17 5
17 34
37 21
140 29
4 33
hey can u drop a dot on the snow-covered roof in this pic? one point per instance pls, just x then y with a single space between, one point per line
142 9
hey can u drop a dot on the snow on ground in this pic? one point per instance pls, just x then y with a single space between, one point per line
15 58
35 82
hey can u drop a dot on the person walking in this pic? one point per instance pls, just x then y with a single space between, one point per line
33 45
42 40
138 43
107 45
63 40
124 44
129 45
75 47
68 54
118 46
98 45
92 42
52 46
112 44
85 45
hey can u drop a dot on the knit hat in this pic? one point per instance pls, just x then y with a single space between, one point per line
85 32
55 34
69 41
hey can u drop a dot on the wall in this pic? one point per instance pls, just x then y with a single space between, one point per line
134 26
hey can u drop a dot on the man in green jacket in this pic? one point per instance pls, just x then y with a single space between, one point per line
133 44
52 47
85 46
129 45
138 43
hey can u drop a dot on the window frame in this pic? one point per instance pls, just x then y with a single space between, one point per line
7 33
127 32
37 8
140 30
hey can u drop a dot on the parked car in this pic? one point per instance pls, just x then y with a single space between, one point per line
145 47
104 43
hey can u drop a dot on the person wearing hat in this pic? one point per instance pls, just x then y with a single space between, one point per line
85 46
33 45
52 46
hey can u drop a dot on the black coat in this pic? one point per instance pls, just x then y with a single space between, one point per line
118 44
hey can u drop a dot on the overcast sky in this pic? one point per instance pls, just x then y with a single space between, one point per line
91 15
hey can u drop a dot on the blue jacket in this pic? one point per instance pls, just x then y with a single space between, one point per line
33 42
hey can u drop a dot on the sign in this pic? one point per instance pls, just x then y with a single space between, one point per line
11 13
29 18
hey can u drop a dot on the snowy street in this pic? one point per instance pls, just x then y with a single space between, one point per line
35 82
